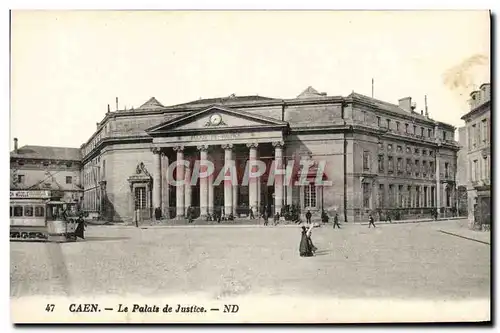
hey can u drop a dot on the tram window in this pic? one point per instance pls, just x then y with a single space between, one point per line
10 211
18 210
28 210
39 211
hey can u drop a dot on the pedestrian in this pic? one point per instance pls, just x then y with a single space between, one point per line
276 218
190 214
80 229
250 213
265 217
308 217
305 249
336 221
372 222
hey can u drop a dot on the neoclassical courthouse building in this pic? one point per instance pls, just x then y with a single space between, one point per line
379 157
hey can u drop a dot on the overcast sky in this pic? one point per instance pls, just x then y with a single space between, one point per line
67 66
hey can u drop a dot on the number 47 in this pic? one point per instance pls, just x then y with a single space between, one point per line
49 307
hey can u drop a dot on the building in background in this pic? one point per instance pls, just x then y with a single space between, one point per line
462 180
478 124
381 158
47 168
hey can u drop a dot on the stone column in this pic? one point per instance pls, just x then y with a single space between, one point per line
156 179
179 191
187 188
203 183
259 195
228 186
252 182
211 194
289 188
278 179
165 188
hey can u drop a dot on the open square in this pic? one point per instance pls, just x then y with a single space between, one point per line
391 261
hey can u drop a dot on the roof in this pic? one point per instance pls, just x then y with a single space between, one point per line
48 153
310 92
151 103
223 100
388 106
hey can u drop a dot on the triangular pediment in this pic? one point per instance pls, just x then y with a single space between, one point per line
214 118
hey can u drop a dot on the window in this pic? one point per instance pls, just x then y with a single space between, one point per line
140 198
366 160
446 170
431 167
414 129
381 163
444 135
18 210
20 179
448 197
69 180
45 163
422 131
378 121
39 211
410 201
408 166
69 164
397 126
381 195
400 165
28 210
476 171
485 130
389 147
399 149
431 153
424 167
424 152
473 136
417 151
366 195
390 167
310 195
20 162
429 133
388 124
406 128
417 167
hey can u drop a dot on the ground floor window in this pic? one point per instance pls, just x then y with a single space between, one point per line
448 197
310 195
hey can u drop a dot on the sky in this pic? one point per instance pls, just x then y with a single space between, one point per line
67 66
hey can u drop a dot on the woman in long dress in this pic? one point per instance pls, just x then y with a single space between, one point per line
305 249
308 233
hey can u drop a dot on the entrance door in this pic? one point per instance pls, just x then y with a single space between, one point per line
141 202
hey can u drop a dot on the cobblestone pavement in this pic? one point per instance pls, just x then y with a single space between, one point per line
402 261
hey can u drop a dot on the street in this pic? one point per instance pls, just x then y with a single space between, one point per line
395 261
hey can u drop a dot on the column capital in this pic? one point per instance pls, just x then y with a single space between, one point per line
178 148
278 144
163 153
156 150
202 147
227 146
252 145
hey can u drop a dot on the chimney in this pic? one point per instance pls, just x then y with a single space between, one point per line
421 112
15 145
109 109
426 108
116 103
405 104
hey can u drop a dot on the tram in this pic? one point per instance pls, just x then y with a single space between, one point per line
40 215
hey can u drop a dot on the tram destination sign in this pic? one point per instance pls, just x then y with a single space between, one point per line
29 194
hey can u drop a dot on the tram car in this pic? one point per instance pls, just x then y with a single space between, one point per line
40 215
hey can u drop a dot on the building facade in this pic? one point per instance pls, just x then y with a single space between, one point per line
478 134
377 157
47 168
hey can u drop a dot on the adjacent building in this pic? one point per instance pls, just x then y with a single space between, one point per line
47 168
380 158
478 134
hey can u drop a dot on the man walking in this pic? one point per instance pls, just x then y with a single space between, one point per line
336 221
308 217
371 221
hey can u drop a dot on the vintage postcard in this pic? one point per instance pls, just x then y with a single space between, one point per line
250 166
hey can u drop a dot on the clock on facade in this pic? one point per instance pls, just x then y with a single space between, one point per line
215 119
